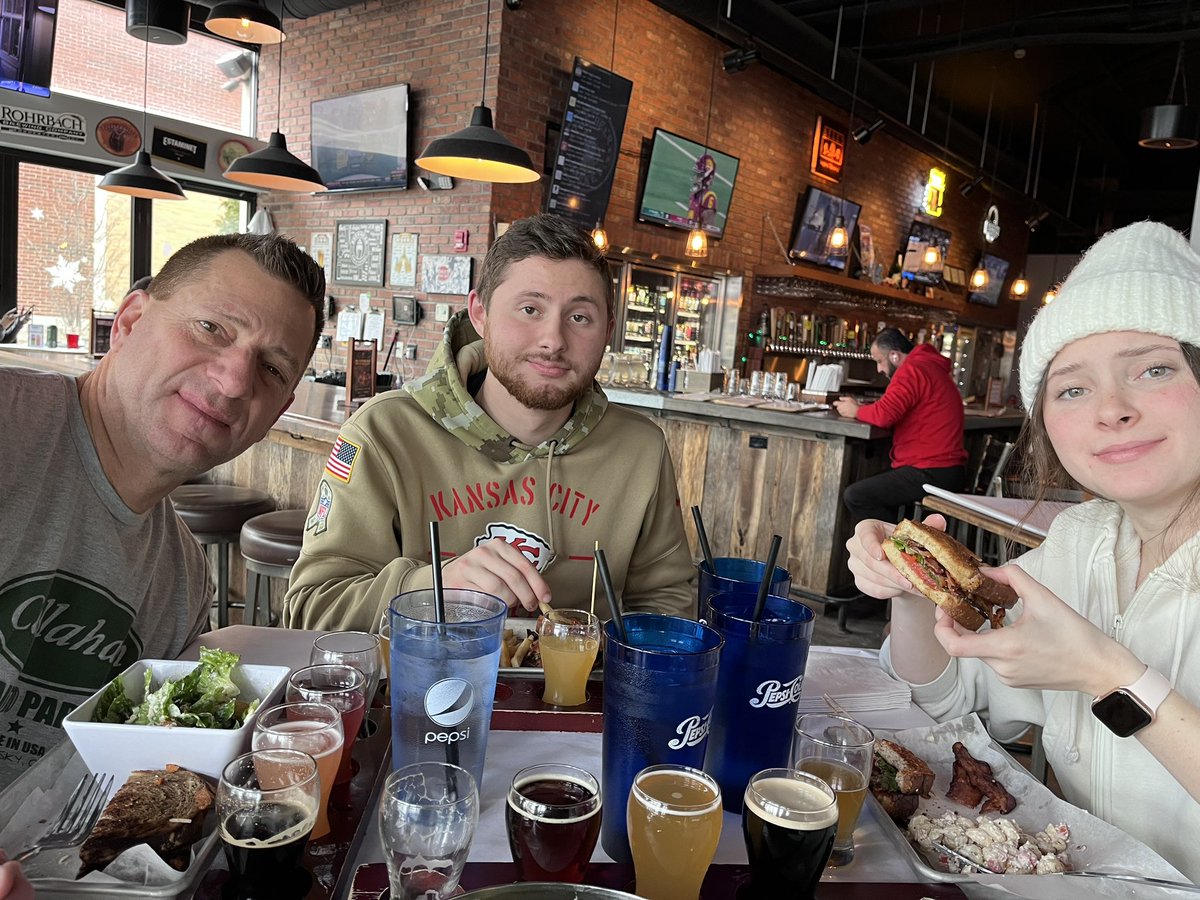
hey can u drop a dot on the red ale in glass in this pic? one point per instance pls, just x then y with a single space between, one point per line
553 820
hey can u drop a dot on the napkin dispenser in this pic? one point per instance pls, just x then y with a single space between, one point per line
694 381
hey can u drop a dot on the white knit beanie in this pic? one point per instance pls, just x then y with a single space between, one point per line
1143 277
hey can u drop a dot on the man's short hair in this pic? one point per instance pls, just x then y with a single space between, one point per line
549 236
274 254
142 284
893 339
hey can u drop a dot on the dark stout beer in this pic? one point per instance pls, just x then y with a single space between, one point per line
264 844
789 821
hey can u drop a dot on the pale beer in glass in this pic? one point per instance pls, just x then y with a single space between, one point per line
839 751
674 821
569 640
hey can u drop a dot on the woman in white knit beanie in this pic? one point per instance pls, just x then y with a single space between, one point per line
1103 649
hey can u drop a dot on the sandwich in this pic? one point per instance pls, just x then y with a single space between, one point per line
899 779
164 808
946 572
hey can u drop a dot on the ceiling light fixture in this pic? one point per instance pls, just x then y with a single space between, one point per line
245 20
980 277
479 152
600 237
969 186
863 133
737 60
1049 297
1037 219
275 168
141 179
697 239
1171 126
1020 288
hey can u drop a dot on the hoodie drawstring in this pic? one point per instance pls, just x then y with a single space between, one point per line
553 445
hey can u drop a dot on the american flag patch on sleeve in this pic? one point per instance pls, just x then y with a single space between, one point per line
341 459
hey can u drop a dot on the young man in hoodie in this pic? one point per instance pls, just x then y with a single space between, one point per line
923 409
510 445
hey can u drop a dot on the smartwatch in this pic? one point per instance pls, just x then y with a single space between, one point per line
1127 710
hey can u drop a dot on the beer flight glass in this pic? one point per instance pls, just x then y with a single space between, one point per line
314 728
674 821
553 820
837 750
359 649
342 687
789 820
267 803
569 640
427 819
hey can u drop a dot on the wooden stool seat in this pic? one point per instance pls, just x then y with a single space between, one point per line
215 513
270 546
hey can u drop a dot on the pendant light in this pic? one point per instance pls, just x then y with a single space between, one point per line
1171 126
839 240
980 277
600 236
245 20
274 168
141 179
1049 296
839 236
697 239
479 152
1020 287
933 255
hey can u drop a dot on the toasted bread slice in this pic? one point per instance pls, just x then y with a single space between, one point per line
944 593
913 776
961 563
995 593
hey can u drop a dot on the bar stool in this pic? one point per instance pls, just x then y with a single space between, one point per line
215 514
270 545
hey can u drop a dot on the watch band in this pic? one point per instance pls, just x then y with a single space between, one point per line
1151 689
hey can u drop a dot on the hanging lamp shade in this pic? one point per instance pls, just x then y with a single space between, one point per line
1020 288
697 243
979 278
246 21
1169 127
478 153
600 237
838 238
141 179
274 168
1049 297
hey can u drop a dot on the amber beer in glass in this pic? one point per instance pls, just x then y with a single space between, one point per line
314 728
838 750
553 819
674 821
569 640
789 820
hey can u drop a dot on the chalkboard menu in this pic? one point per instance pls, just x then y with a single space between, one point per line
358 254
588 144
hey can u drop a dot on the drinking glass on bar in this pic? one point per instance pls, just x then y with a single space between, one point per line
569 640
267 803
427 819
674 821
316 729
789 820
342 687
837 750
385 647
553 820
351 648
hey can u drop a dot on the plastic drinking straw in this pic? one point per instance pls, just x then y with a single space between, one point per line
764 586
594 567
606 579
703 535
439 614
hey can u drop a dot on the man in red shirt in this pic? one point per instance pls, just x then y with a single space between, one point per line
925 412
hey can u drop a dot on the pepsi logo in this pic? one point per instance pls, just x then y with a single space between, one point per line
448 702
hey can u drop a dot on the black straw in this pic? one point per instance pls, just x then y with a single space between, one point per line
606 580
764 587
439 596
703 535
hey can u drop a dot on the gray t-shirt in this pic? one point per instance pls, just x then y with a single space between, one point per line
87 586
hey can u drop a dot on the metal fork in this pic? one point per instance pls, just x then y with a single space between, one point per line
77 818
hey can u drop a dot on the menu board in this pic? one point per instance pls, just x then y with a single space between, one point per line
360 372
586 158
358 254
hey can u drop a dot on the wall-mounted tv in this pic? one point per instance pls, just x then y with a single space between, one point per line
916 265
360 141
27 45
687 182
997 270
816 212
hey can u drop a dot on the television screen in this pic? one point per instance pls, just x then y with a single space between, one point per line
918 265
360 142
687 182
816 212
27 46
997 270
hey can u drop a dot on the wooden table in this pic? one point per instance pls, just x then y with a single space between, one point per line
998 515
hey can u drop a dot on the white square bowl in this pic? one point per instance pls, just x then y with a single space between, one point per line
116 749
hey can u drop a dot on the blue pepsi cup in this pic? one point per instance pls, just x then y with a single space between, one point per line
739 576
758 689
659 688
443 678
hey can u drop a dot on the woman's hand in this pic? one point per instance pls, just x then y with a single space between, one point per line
873 572
1050 647
13 883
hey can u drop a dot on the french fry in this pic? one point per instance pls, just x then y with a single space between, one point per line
522 650
505 653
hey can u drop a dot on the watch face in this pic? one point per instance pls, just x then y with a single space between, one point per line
1122 714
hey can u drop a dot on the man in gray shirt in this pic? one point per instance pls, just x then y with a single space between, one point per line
96 569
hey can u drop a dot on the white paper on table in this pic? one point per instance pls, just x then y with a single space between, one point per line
858 683
349 325
1093 844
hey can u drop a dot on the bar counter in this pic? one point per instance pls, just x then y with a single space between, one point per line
753 473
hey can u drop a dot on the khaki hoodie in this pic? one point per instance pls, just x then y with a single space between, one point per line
430 453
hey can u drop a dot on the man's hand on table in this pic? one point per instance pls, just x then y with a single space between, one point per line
498 568
847 407
13 883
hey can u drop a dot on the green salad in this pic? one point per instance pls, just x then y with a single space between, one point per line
204 698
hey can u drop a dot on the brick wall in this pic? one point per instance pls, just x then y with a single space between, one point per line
757 115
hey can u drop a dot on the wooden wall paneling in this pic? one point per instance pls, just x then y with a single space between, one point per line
720 492
687 443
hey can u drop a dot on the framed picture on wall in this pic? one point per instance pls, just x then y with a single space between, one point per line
446 274
358 255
